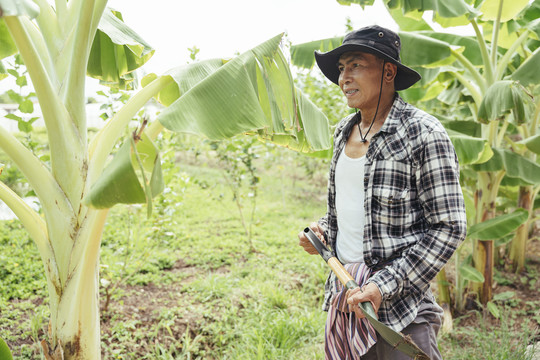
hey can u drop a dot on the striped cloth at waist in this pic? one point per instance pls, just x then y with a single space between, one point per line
346 337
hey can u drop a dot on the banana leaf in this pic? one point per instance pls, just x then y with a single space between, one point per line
7 46
498 227
5 353
503 97
122 182
528 73
116 51
253 92
515 166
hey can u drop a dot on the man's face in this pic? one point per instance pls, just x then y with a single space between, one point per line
360 78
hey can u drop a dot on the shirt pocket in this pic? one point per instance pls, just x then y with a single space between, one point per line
391 208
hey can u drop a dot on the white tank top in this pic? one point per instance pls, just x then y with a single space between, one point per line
350 208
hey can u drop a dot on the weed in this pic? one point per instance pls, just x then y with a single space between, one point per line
505 340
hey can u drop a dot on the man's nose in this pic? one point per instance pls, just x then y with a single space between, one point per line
344 77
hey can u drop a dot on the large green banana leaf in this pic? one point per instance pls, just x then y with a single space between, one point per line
533 12
132 177
463 127
498 227
410 21
471 49
503 97
491 8
528 72
470 150
444 8
252 92
185 77
418 49
302 54
515 166
116 51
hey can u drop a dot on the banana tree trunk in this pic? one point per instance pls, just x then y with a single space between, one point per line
74 328
444 300
443 287
483 249
518 246
484 263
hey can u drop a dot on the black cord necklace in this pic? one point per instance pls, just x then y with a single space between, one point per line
364 139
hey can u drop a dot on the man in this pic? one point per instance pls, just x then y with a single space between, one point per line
395 205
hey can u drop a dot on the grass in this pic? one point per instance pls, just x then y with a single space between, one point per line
186 284
503 341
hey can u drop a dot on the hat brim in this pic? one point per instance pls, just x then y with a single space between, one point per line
327 62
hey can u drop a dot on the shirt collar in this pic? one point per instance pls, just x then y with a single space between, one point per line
393 119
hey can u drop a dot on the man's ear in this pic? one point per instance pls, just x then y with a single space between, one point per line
390 71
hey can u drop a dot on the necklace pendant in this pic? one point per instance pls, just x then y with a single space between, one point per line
363 141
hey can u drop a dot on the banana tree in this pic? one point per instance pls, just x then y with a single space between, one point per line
481 75
63 43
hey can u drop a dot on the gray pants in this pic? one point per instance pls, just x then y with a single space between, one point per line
423 331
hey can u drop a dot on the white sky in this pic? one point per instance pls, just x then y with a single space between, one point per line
219 28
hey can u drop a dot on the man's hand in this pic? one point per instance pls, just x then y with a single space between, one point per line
306 244
370 292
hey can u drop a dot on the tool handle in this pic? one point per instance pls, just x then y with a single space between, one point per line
343 275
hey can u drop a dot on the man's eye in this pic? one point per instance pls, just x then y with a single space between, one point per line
341 68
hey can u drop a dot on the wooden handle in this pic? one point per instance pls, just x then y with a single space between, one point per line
343 275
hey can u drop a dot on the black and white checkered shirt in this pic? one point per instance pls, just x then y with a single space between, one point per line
415 213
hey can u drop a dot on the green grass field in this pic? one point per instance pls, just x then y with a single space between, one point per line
189 284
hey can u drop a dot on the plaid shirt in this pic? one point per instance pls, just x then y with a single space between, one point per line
415 213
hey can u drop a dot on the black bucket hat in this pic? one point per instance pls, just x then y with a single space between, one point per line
375 40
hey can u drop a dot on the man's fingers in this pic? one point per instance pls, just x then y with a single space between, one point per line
354 296
306 244
318 231
358 312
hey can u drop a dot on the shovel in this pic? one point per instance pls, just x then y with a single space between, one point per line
399 341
